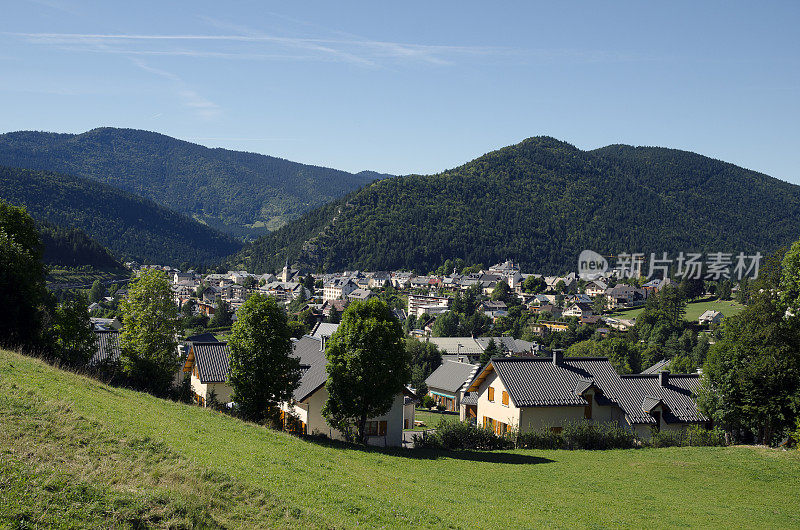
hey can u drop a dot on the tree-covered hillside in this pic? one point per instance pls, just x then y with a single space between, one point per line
129 226
71 247
542 202
236 192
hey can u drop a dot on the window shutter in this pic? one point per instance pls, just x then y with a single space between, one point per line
382 428
491 393
505 397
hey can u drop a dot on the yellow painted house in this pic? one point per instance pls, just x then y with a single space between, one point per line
531 393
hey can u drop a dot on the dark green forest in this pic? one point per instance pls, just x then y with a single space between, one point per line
541 202
239 193
131 227
71 247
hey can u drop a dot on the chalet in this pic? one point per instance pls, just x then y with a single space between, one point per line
209 366
596 288
539 392
305 410
446 382
623 295
578 311
710 317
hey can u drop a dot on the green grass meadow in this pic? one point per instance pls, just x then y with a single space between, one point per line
77 453
693 309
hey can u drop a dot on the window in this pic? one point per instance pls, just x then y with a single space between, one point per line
500 428
556 430
505 398
587 410
371 428
491 393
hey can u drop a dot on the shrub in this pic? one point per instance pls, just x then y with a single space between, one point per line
427 401
695 436
665 438
457 435
578 435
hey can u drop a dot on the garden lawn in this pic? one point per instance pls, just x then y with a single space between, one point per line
431 418
693 309
67 439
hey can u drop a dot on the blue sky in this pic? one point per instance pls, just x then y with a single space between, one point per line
412 87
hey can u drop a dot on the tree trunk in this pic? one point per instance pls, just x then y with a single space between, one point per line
362 424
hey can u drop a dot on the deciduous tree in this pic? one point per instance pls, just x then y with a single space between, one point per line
263 373
367 367
150 326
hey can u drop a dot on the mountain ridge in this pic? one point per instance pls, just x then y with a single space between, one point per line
131 227
542 201
241 193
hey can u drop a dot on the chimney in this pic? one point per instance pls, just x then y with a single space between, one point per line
663 378
558 356
323 342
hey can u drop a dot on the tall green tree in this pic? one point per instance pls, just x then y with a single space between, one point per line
97 292
150 327
367 367
492 350
263 371
74 340
22 278
751 378
223 315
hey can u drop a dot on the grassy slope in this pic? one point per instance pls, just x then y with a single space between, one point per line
323 485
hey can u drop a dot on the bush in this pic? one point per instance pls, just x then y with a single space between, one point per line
694 436
457 435
427 401
578 435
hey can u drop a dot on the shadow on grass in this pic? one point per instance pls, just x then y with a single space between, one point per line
492 457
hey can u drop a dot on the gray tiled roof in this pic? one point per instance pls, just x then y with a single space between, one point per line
312 364
470 398
107 347
450 376
212 360
663 364
536 381
324 329
457 345
677 395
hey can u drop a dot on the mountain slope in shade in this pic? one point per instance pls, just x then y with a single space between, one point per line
240 193
541 202
71 247
131 227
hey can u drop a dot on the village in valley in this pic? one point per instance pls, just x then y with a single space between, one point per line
393 265
492 378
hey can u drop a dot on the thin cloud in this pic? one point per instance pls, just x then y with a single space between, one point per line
363 52
190 98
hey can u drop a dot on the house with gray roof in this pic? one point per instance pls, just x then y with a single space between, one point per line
532 393
305 409
107 352
209 366
445 384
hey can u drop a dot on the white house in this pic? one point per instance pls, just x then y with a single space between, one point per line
311 395
338 288
209 364
710 317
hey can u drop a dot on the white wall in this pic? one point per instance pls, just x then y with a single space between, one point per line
310 412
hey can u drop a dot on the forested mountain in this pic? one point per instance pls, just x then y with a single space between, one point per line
71 247
542 202
129 226
236 192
